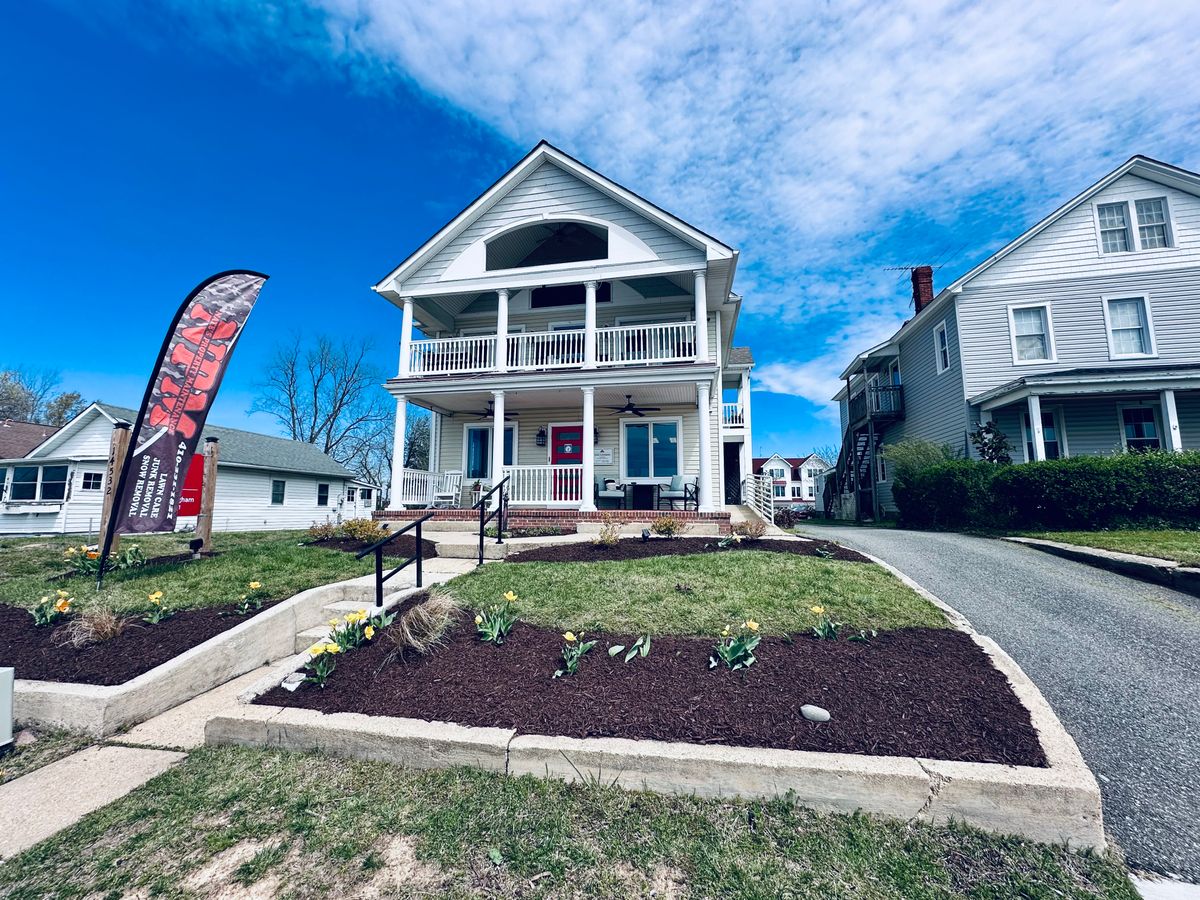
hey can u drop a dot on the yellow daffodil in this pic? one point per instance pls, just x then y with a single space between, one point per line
816 610
510 596
255 585
751 625
63 606
369 632
479 620
569 637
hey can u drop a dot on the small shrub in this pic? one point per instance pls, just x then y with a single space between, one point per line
92 626
991 444
610 530
735 648
494 623
367 530
751 529
322 531
574 648
668 527
422 628
50 609
907 458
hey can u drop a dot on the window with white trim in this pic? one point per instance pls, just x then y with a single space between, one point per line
1128 327
941 347
478 450
1139 428
1114 227
38 483
1031 338
351 494
651 448
1154 230
797 492
93 481
880 467
365 495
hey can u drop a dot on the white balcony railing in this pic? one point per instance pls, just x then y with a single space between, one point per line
545 349
636 344
732 415
417 487
445 356
545 485
623 345
758 492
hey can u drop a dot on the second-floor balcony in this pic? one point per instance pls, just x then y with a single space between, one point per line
878 402
733 415
621 345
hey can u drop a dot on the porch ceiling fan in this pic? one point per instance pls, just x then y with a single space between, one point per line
631 407
490 412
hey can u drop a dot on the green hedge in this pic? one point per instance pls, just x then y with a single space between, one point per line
1085 492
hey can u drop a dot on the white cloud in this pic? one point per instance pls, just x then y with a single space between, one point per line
826 140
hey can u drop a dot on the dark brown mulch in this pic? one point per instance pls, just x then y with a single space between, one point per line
913 692
633 548
32 651
402 547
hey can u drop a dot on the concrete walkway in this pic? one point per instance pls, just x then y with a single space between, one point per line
1116 658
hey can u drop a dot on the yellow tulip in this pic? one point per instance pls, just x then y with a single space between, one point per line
569 637
725 631
255 585
316 649
63 606
332 648
369 631
816 610
479 620
335 622
510 596
752 625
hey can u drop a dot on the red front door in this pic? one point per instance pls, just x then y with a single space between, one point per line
566 449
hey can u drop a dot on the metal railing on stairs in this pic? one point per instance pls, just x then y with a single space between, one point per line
500 513
377 549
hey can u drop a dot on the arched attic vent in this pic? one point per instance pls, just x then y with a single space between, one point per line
547 244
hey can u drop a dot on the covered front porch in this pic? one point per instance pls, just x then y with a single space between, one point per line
574 447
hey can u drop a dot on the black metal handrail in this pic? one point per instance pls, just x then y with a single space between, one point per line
501 510
377 549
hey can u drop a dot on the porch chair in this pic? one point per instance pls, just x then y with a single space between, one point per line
448 491
603 493
687 492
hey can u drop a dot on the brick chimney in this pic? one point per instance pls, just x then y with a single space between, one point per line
922 287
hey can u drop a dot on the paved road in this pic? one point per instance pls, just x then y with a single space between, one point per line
1118 659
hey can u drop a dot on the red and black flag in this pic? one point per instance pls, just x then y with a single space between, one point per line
180 393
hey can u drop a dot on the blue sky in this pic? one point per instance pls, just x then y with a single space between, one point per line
151 144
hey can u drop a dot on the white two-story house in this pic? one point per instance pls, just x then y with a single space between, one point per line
1079 337
793 478
574 338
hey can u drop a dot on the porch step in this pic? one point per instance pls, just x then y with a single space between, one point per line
310 636
446 525
451 545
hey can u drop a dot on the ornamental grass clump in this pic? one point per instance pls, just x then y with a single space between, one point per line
51 608
574 648
736 646
92 626
751 529
495 622
610 530
422 628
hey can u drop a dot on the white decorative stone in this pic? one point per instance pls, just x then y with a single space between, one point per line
814 713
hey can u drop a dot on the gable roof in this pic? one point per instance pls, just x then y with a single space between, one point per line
18 438
739 356
794 461
247 449
542 152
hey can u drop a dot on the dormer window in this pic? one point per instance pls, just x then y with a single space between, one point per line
1152 223
547 244
1116 222
1114 227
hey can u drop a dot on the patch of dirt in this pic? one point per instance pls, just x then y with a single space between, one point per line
664 882
929 692
35 654
402 547
217 873
403 871
635 548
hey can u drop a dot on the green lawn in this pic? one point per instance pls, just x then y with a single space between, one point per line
305 825
700 594
49 747
1167 543
274 558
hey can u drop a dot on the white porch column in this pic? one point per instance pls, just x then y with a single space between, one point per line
398 453
701 317
497 442
703 408
406 326
502 330
1171 421
589 449
589 325
1035 428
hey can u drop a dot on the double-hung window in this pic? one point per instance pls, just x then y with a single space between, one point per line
941 348
478 451
1153 227
1139 428
277 491
322 495
39 483
1051 436
651 448
1114 227
1032 339
1129 328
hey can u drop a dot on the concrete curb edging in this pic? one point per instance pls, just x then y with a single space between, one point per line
1166 572
1058 804
100 710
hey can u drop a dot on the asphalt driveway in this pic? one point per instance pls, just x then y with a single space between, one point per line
1118 659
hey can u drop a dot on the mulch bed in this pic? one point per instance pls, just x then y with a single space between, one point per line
402 547
912 692
633 548
33 652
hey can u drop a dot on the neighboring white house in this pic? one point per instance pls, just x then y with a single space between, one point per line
1079 337
578 340
263 482
793 478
